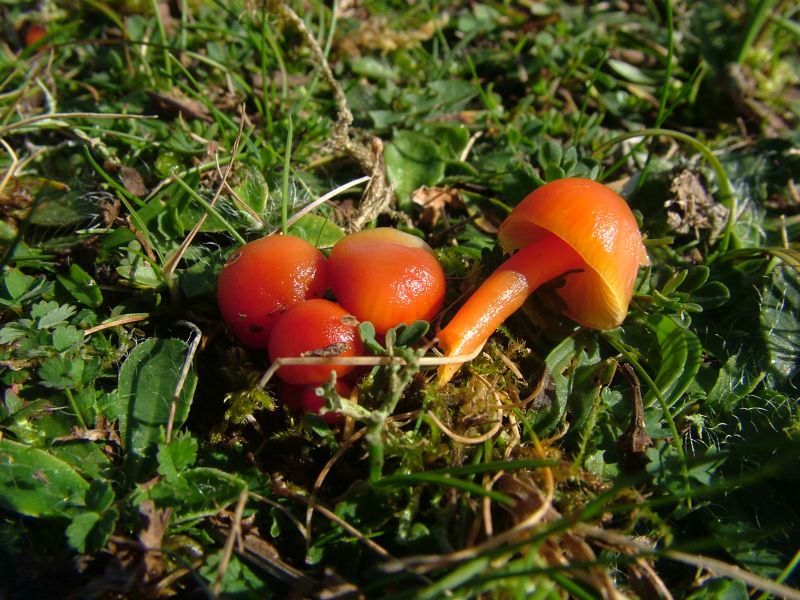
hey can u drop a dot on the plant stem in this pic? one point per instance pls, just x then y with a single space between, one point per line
755 23
74 405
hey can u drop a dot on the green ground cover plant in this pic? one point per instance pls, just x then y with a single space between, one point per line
144 453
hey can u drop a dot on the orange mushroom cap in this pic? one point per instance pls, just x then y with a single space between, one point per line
265 277
314 328
595 222
572 228
387 277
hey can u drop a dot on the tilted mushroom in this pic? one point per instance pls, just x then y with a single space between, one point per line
575 229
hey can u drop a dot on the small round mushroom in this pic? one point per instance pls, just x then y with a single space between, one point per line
387 277
574 229
265 277
318 328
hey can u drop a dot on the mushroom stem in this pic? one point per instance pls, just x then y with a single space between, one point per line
502 294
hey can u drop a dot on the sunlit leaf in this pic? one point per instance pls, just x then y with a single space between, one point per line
147 381
780 323
412 161
36 484
317 230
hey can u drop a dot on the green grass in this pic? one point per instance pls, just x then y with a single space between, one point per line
142 142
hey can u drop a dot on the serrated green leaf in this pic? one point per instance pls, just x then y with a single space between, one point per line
80 528
60 372
89 531
147 381
179 454
50 314
412 160
64 337
11 332
17 283
36 484
195 493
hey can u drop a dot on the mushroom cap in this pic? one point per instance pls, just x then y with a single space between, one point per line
387 277
598 224
265 277
314 328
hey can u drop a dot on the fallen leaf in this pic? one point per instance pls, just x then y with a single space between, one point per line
133 182
151 537
634 441
171 106
434 201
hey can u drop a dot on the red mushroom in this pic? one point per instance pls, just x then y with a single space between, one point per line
264 278
318 328
304 398
575 229
387 277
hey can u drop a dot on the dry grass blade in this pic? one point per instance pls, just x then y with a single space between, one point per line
344 447
234 534
187 365
123 320
360 361
696 560
12 168
281 489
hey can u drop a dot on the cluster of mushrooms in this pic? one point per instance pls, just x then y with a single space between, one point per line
574 231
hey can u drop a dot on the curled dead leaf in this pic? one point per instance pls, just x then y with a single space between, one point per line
434 202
